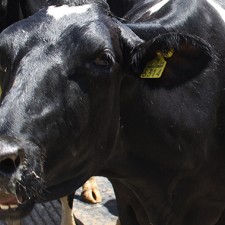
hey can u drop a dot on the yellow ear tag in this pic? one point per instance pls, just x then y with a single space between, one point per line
155 68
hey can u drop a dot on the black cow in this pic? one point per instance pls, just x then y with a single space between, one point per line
12 11
8 204
140 102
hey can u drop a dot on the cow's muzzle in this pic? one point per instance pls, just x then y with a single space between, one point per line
18 180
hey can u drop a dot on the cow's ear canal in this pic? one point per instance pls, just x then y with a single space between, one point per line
170 60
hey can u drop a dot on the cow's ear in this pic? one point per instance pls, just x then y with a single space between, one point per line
170 59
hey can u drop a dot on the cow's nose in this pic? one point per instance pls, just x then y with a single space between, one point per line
11 156
9 164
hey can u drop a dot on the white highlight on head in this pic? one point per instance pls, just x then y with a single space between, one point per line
65 10
218 8
157 6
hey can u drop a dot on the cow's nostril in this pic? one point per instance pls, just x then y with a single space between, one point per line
9 165
17 161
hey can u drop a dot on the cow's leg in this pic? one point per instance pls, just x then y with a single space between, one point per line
67 210
118 222
90 192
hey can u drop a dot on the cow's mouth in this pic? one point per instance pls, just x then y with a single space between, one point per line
13 207
9 201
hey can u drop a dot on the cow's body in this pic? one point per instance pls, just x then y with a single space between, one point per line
175 131
82 106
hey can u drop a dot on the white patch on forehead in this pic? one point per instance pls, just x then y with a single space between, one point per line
65 10
218 8
157 6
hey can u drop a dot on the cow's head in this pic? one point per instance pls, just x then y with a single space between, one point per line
60 73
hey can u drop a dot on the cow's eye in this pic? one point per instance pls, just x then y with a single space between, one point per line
104 60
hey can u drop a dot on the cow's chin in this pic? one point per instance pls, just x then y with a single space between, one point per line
14 207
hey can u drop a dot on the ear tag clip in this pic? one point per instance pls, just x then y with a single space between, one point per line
155 68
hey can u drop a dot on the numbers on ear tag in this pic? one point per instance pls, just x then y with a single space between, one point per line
155 68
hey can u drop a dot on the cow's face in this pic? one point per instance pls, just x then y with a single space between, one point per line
60 80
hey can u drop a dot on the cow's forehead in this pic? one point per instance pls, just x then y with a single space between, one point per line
49 25
76 16
65 10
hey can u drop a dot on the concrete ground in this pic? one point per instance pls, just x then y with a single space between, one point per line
104 213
